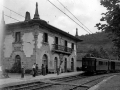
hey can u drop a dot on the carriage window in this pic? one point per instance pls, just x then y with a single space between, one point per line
100 63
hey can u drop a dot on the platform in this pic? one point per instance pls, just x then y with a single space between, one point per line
15 79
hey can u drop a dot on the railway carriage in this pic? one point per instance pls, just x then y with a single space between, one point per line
99 65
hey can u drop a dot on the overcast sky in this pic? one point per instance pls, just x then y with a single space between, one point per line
87 11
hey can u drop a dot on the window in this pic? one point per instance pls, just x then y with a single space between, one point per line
56 40
72 46
45 37
100 63
17 37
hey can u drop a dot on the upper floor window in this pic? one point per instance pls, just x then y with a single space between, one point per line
56 40
72 46
17 37
45 37
65 43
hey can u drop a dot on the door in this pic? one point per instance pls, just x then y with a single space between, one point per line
45 63
65 45
56 43
17 65
55 64
65 65
112 65
72 64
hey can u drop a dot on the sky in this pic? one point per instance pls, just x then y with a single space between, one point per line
87 11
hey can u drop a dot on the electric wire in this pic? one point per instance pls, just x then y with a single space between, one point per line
74 15
68 16
13 11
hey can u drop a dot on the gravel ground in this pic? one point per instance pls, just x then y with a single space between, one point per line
112 84
58 87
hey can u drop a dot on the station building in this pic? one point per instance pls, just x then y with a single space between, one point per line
35 41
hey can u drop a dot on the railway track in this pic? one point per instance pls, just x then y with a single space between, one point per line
65 83
27 86
68 79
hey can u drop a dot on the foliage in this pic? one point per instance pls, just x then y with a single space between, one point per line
112 19
98 44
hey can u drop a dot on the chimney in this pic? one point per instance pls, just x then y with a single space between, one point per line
76 32
36 15
27 16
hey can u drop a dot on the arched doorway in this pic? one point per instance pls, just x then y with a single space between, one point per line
72 64
17 65
65 65
45 63
56 64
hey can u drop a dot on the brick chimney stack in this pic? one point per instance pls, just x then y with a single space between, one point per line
76 32
27 16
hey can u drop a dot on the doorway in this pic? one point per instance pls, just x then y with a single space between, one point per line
45 63
65 65
72 64
55 64
17 65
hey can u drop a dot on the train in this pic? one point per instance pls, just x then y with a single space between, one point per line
99 65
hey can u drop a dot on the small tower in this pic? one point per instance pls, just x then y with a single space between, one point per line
36 15
76 32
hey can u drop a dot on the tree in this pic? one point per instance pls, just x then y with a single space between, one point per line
93 52
112 18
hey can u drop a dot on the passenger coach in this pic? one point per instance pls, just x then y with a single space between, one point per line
99 65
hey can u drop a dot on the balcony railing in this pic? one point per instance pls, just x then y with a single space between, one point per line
63 49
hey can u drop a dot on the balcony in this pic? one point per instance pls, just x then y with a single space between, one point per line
61 49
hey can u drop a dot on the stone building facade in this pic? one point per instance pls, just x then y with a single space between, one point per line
35 41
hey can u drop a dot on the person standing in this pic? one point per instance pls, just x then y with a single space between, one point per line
42 69
22 70
46 69
34 69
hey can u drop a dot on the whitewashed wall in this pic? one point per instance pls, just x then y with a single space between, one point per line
28 44
51 41
8 45
40 39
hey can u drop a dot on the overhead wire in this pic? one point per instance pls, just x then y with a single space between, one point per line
10 17
13 11
68 16
74 15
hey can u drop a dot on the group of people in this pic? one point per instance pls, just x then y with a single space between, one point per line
44 70
34 69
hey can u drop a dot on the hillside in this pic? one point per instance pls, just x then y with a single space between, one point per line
96 42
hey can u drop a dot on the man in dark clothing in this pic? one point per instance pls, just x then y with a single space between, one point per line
46 69
22 70
36 69
42 68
